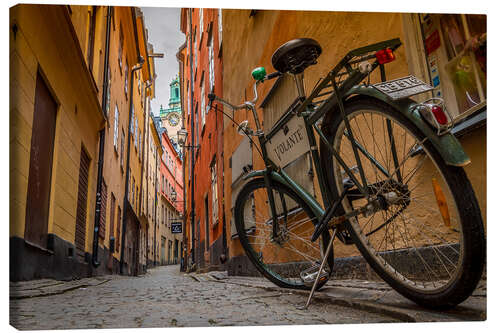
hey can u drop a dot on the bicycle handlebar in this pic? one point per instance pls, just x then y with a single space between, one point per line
249 104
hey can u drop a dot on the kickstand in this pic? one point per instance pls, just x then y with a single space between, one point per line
325 257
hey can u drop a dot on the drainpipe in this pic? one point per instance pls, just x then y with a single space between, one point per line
102 137
192 132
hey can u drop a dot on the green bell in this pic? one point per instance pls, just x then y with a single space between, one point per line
259 73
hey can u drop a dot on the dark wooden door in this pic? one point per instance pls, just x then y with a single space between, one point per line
132 244
40 167
81 206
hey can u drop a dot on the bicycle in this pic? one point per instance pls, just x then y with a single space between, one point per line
389 173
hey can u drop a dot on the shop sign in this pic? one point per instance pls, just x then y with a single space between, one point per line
176 227
433 42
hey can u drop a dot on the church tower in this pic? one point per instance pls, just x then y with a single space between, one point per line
171 117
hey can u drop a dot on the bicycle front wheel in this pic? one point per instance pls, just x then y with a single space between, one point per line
282 258
426 236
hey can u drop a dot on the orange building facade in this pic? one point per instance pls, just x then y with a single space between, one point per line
201 73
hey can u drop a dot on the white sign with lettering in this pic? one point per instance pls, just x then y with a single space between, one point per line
289 143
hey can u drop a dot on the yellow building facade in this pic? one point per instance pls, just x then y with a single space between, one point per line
68 136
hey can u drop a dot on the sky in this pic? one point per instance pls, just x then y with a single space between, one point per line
163 25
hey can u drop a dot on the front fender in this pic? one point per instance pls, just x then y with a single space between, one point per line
447 145
288 182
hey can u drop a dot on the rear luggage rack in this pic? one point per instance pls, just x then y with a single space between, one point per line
346 74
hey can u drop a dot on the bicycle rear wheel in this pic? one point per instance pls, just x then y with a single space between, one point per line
283 259
427 242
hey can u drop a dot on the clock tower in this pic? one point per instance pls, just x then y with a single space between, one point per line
171 117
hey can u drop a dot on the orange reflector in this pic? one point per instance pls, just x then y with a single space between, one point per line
441 201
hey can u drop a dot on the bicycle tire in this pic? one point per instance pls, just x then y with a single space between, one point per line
279 264
435 291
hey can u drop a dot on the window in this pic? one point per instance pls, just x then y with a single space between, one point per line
201 22
102 220
122 148
135 130
91 38
140 144
215 203
126 78
220 27
458 75
195 50
207 229
189 99
202 102
196 129
112 216
120 48
118 228
108 93
133 190
139 82
211 76
132 120
116 134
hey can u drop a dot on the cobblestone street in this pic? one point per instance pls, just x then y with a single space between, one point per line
164 297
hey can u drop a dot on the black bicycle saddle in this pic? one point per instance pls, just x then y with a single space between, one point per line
296 55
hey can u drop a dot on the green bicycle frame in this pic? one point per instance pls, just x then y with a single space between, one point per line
312 111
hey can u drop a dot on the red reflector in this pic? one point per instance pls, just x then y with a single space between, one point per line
439 115
385 56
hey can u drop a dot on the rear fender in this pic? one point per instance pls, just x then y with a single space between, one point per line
447 145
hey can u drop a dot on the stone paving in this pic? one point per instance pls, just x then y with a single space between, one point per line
164 297
373 296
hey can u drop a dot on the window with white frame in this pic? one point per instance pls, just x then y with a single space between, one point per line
189 98
126 78
140 143
211 75
219 16
108 93
115 128
132 120
120 48
215 204
195 49
135 133
201 22
202 103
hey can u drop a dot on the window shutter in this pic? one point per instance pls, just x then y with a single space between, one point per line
102 220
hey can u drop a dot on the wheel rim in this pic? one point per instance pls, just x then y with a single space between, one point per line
293 252
415 248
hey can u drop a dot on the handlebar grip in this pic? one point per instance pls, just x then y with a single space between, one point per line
273 75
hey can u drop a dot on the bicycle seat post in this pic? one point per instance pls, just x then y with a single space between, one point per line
299 82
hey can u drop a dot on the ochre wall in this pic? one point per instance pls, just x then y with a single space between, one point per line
259 36
77 122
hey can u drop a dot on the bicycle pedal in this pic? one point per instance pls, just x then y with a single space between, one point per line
309 275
